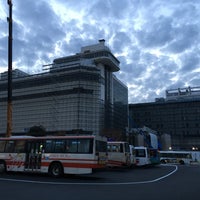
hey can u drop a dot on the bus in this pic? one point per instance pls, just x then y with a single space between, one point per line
118 154
56 155
146 156
181 157
142 156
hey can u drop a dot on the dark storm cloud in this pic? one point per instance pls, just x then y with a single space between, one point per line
155 33
187 13
190 61
3 36
112 9
194 81
156 41
37 35
3 51
184 38
121 40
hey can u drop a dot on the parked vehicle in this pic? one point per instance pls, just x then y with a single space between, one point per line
146 156
118 154
181 157
56 155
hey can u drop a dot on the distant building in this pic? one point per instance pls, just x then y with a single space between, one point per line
16 73
77 94
177 116
189 93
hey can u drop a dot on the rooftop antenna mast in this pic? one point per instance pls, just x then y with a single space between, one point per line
9 100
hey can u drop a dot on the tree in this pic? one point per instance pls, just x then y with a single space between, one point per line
37 131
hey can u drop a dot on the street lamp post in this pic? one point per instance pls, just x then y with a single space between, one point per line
9 100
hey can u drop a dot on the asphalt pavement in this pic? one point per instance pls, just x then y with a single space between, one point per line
157 183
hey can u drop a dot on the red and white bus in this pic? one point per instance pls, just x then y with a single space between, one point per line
56 155
118 154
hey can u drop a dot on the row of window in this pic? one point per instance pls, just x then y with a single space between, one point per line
47 146
120 147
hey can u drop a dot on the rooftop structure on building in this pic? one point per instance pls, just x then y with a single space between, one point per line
186 93
89 56
177 115
16 73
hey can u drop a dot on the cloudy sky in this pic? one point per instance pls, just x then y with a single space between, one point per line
156 41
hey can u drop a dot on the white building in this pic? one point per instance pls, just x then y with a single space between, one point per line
74 95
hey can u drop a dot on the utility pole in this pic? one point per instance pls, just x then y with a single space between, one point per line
9 100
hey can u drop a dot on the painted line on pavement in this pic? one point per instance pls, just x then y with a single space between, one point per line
94 183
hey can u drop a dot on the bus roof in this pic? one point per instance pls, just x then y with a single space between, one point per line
171 151
26 137
116 142
140 147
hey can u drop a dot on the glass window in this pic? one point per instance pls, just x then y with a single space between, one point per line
20 146
116 148
140 153
72 145
85 146
10 146
109 148
2 146
79 145
49 146
127 148
69 146
60 146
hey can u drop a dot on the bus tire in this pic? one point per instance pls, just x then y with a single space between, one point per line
56 169
2 167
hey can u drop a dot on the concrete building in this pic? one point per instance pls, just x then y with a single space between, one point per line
177 116
77 94
15 74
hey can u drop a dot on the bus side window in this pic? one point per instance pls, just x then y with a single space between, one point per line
85 146
108 148
48 146
73 145
121 148
2 146
60 146
20 146
116 148
10 145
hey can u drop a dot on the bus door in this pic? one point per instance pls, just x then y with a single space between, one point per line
33 155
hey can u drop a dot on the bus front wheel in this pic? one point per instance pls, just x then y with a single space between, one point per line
56 169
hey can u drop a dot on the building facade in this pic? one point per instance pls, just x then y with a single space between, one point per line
75 95
178 115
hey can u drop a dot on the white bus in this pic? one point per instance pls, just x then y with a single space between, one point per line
146 156
181 157
56 155
142 156
118 154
